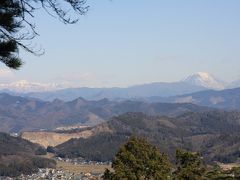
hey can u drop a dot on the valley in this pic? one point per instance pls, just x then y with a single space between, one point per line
204 132
119 90
94 130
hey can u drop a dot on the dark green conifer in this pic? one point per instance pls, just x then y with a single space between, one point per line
189 166
137 159
9 25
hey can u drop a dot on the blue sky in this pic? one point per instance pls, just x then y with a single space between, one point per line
122 42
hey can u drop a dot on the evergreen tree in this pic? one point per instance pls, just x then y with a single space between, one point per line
16 25
137 159
189 166
9 26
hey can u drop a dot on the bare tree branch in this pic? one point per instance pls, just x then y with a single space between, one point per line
19 15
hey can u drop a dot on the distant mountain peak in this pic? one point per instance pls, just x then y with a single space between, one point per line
204 75
206 80
26 86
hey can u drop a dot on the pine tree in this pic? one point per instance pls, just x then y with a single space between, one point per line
17 29
9 26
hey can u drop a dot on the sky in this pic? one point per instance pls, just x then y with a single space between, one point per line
123 42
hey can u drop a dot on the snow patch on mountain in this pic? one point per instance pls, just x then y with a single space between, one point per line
206 80
24 86
195 82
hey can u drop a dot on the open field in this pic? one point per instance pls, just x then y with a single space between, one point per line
81 168
228 166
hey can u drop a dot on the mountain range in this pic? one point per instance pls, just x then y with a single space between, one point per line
48 92
24 86
192 121
228 99
138 91
27 114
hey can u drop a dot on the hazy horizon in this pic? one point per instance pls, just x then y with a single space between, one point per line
122 43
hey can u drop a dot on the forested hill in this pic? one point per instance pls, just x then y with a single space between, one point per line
215 134
19 156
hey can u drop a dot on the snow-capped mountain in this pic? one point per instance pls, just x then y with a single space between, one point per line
24 86
66 91
206 80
